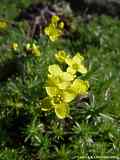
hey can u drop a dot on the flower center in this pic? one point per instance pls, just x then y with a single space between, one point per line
75 66
58 99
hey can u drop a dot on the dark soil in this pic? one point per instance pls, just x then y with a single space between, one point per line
96 7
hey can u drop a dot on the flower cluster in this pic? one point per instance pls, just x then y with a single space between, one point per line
63 86
30 48
55 29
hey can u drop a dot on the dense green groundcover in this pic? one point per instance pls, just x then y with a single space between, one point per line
26 132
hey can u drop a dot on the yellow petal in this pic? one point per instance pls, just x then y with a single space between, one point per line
55 69
53 38
51 82
55 19
54 33
62 110
63 85
68 96
60 56
51 91
80 87
69 61
82 69
61 25
71 70
62 81
67 76
56 82
78 58
47 30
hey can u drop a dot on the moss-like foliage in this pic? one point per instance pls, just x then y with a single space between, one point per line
27 132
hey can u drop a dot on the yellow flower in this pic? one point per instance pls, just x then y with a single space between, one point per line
79 87
75 64
14 46
55 29
3 24
57 77
62 88
62 98
59 100
52 32
61 56
57 90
